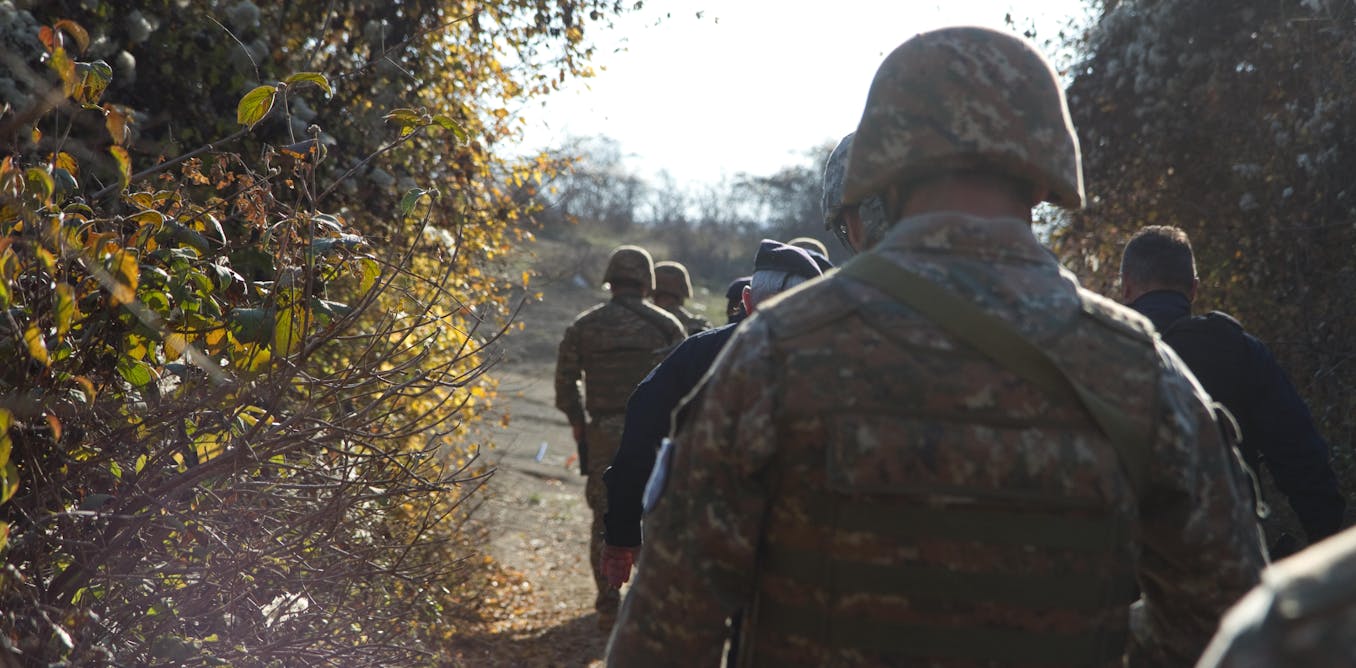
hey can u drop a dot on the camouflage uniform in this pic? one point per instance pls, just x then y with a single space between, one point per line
610 347
1302 614
872 491
671 278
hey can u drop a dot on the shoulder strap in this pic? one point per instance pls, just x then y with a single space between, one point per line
654 319
1003 344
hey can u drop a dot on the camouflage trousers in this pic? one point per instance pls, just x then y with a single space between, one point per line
604 435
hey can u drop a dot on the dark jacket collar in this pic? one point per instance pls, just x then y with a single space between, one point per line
1163 307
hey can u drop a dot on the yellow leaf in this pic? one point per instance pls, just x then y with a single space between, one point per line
124 161
209 446
37 348
127 273
87 386
65 308
175 343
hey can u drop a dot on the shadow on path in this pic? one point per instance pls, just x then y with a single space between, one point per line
576 643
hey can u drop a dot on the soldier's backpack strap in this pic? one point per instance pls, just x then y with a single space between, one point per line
1003 344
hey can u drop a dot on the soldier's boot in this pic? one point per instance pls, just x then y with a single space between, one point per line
606 604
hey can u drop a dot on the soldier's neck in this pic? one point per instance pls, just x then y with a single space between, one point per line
974 194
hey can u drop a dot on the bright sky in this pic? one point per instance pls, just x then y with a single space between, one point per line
709 88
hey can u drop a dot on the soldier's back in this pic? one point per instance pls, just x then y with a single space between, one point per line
620 341
944 508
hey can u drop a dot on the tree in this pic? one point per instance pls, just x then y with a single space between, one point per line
1229 122
237 374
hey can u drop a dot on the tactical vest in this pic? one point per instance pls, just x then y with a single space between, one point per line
932 507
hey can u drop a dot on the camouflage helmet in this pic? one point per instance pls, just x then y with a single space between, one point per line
870 210
671 277
831 202
630 263
965 98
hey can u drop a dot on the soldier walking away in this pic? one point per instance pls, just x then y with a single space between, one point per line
610 348
946 453
650 410
1302 614
1158 279
672 289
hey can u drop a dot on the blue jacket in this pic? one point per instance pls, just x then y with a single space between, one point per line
649 418
1239 371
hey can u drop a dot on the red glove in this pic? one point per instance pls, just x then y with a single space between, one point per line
617 562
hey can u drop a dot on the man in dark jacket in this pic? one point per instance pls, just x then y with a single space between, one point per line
649 411
1158 276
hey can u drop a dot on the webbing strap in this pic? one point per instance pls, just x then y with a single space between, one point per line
908 524
1003 344
1006 646
925 587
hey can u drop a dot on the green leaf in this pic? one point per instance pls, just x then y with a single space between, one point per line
403 116
311 77
255 105
115 469
329 244
4 538
134 371
95 501
371 271
190 237
289 331
445 122
410 199
251 325
6 445
40 183
9 481
91 81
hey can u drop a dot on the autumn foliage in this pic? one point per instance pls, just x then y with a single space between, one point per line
251 278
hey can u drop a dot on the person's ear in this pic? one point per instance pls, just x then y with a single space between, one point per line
747 297
856 231
1195 285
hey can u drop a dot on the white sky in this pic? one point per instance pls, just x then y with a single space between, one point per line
750 85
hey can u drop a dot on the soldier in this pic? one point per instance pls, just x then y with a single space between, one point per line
1302 614
672 288
611 347
869 214
650 410
946 453
734 300
1158 279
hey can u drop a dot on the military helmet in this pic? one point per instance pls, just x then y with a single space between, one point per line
671 277
965 98
630 263
831 202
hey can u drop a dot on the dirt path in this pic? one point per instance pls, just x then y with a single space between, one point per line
538 521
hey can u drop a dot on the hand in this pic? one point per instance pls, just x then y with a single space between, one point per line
617 562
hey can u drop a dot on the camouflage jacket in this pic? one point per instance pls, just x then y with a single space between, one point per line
870 492
692 323
611 347
1302 614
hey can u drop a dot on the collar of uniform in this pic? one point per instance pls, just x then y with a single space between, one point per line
950 232
1163 307
632 298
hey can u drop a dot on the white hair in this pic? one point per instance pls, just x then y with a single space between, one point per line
767 283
